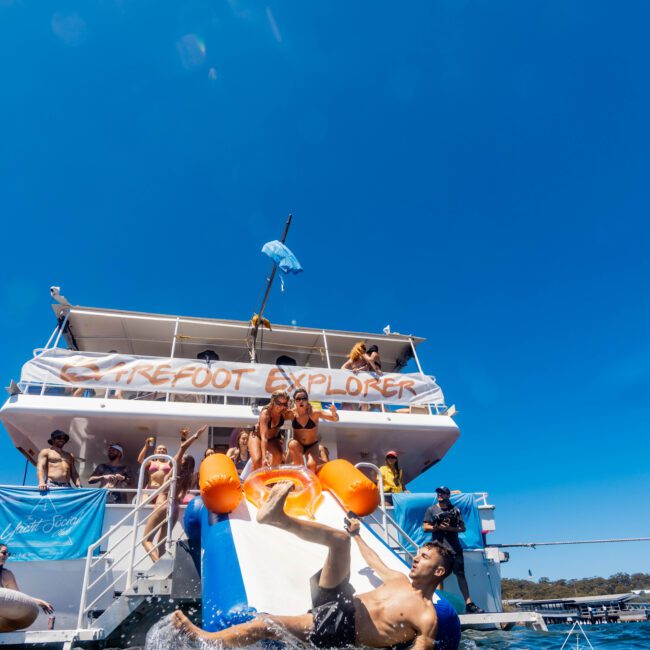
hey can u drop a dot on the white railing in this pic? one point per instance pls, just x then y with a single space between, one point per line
136 538
53 389
386 519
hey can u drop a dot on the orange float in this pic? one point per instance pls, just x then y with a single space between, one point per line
353 488
219 483
305 497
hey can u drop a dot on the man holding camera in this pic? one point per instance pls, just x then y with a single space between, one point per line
444 521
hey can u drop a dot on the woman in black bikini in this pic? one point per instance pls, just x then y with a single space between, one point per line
306 440
266 438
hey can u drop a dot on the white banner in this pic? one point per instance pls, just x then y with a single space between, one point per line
129 373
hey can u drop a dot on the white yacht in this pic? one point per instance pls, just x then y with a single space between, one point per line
108 376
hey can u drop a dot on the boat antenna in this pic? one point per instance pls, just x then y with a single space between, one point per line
257 318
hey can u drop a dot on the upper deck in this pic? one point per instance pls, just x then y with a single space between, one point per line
109 375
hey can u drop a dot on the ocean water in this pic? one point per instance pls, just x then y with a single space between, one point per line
628 636
623 636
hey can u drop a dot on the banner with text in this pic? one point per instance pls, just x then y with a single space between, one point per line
129 373
59 524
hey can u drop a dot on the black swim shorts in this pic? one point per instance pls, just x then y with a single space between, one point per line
333 611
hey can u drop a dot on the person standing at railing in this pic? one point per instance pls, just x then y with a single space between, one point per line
114 474
55 467
265 442
160 472
392 476
359 360
304 420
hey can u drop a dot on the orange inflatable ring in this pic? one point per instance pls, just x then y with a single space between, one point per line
305 497
353 488
220 484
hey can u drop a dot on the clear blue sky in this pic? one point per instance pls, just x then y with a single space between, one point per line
472 172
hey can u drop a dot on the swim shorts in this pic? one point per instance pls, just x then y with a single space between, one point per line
333 611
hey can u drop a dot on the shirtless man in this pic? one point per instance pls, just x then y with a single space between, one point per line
56 467
398 612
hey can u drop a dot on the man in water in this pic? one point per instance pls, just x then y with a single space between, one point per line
55 467
114 474
398 612
444 521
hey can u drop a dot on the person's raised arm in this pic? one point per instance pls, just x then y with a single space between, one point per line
41 469
330 414
427 632
187 443
74 475
353 527
148 443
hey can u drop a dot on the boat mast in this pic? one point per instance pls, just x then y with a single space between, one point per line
258 322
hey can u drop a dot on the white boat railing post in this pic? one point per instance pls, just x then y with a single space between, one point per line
173 350
84 587
327 351
417 362
382 497
61 327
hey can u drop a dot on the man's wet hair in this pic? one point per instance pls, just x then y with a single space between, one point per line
446 555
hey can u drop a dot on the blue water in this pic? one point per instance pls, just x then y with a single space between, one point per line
627 636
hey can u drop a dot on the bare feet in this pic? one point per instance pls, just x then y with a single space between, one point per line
272 509
184 625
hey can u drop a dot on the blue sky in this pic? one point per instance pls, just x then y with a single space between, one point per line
471 172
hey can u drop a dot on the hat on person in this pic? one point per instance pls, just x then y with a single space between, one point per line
58 434
118 447
391 453
443 490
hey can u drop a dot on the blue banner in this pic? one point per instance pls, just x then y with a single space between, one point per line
409 515
58 524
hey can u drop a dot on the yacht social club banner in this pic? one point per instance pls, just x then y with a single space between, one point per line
130 373
59 524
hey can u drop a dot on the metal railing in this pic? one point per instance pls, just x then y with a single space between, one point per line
389 536
169 488
54 389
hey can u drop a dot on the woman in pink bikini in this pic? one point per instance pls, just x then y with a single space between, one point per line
159 472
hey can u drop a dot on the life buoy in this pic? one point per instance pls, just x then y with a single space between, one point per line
219 483
17 610
353 488
305 497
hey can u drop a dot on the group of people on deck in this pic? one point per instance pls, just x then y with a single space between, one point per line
263 444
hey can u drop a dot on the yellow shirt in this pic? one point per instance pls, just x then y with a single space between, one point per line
390 485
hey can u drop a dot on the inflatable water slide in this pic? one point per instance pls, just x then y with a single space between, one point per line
249 567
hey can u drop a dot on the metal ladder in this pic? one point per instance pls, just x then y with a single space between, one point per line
136 533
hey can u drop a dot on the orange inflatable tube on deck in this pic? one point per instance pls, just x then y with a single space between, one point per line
219 482
353 488
302 501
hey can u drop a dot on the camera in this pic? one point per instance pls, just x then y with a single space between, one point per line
447 518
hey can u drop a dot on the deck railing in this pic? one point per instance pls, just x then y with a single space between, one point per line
136 532
63 390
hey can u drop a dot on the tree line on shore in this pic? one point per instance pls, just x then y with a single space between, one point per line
619 583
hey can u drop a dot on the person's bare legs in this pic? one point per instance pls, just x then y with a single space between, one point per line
337 563
255 451
294 450
261 627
